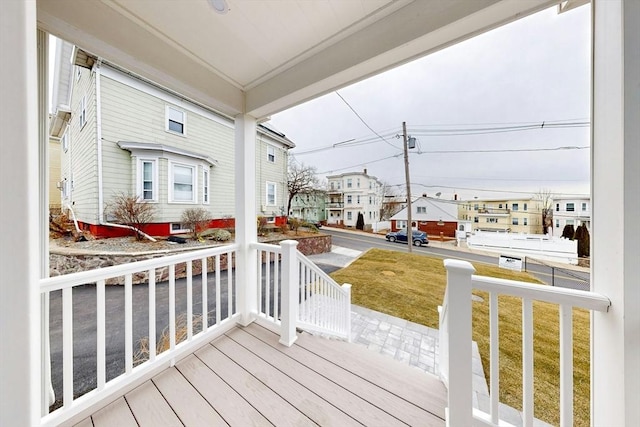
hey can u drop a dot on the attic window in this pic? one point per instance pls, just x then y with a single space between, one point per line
176 120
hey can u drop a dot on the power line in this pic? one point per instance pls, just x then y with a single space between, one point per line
362 120
459 151
505 150
477 129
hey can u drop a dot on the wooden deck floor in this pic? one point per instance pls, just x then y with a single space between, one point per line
246 378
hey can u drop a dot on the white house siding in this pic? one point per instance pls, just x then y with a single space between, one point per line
132 114
275 172
81 154
577 217
54 174
362 185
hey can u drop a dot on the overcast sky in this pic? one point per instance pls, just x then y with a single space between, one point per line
532 71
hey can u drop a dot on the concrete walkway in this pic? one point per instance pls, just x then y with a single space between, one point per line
410 343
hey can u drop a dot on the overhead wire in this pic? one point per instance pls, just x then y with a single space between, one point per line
415 130
362 120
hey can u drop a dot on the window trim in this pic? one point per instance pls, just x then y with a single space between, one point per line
82 112
275 193
167 119
64 142
194 182
206 186
140 178
271 152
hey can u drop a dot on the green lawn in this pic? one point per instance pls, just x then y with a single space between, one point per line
412 286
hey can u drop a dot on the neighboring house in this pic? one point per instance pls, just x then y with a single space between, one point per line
310 207
433 216
129 136
351 193
571 211
272 158
504 215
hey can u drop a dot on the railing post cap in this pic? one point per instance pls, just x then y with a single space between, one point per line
459 265
293 243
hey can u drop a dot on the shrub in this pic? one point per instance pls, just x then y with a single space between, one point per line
220 235
196 219
132 211
294 224
262 226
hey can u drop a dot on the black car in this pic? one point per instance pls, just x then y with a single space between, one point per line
419 237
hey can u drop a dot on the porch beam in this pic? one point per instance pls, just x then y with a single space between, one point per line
246 231
413 31
19 246
615 156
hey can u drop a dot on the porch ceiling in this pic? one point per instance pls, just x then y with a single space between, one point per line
262 57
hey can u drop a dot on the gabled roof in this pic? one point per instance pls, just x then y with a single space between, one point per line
437 210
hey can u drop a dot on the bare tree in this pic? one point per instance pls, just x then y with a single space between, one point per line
545 197
301 179
392 203
196 219
133 212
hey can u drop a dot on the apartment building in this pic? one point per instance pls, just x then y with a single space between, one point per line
350 194
503 215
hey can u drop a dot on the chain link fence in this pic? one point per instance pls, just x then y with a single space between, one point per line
558 276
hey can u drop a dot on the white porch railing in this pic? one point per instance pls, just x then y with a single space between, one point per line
211 302
292 285
456 345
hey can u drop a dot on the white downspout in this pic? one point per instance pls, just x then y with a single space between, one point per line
101 220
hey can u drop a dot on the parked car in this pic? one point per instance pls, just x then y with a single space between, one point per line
419 237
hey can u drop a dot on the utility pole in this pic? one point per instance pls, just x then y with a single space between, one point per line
406 173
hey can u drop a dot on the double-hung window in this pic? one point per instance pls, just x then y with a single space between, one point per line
271 154
65 142
182 183
421 209
176 121
147 180
349 200
205 185
271 194
82 112
514 207
571 207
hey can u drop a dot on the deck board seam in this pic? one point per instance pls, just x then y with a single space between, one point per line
319 374
292 379
248 330
131 409
201 395
238 392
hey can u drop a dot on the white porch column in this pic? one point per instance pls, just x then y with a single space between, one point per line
615 343
19 246
246 229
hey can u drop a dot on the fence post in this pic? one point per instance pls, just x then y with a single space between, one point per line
458 337
290 292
